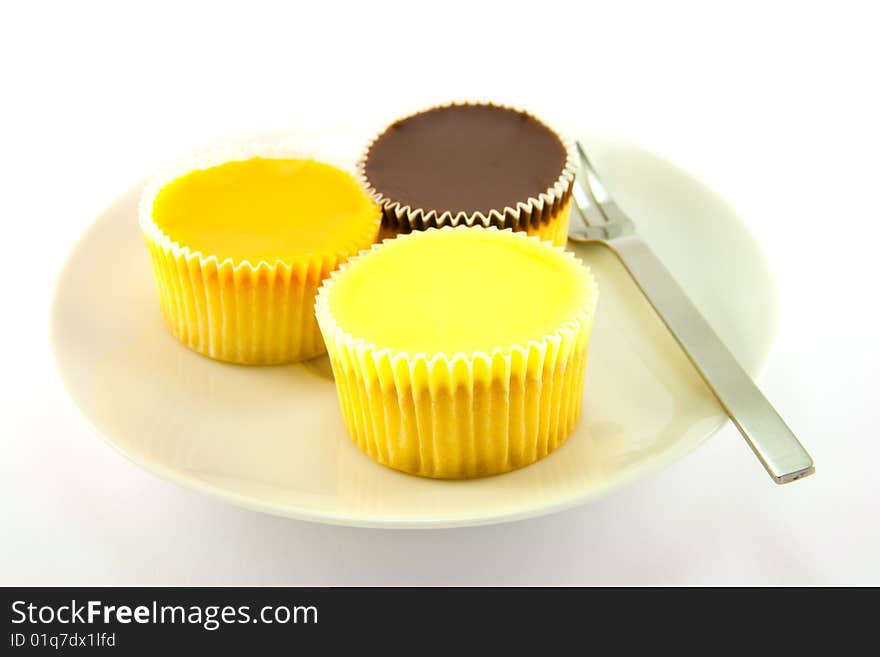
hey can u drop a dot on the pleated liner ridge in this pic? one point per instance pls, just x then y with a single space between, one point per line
239 312
469 415
545 216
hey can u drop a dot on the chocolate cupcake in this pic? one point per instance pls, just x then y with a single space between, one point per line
471 164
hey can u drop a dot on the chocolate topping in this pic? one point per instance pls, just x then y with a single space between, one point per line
465 158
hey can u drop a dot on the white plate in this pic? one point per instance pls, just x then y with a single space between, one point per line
272 438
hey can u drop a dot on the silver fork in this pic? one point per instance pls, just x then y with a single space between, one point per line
602 220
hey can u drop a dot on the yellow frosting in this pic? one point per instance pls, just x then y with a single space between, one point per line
265 209
457 291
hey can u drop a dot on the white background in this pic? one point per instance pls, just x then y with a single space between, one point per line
773 105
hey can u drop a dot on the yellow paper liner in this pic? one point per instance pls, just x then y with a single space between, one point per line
462 415
259 313
545 215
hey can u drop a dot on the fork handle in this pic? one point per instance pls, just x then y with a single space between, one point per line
783 456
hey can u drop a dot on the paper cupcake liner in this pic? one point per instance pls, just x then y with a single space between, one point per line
465 415
257 313
545 215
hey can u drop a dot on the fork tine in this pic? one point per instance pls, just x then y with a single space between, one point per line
592 218
601 196
590 213
581 202
585 159
597 190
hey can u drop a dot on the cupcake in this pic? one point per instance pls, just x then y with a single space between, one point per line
459 352
241 238
471 164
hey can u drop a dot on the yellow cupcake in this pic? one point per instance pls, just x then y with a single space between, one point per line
240 239
459 352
